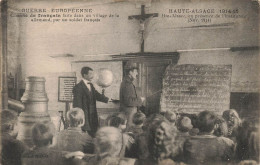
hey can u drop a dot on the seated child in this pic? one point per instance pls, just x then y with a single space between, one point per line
161 143
73 138
109 144
184 126
12 149
128 140
171 117
108 147
141 140
138 121
205 148
233 122
41 154
118 122
119 114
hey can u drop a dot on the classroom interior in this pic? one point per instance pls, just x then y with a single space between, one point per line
158 44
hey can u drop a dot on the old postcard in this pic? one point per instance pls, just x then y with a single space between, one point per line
178 79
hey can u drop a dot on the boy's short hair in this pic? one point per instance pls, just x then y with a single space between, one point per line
76 117
170 116
206 121
42 134
139 118
184 124
108 142
115 121
8 118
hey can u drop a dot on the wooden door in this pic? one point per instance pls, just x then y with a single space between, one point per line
149 82
151 76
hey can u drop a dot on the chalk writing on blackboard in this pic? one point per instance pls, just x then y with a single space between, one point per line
194 88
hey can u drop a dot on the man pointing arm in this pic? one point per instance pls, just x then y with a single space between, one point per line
129 98
85 97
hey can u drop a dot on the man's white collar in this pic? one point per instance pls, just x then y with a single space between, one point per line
85 81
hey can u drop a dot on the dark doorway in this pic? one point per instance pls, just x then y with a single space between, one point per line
246 104
149 81
151 78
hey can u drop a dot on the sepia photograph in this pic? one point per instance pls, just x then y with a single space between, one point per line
130 82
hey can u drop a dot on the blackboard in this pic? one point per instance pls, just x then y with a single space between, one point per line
194 88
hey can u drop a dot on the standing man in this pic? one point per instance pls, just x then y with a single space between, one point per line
85 96
129 98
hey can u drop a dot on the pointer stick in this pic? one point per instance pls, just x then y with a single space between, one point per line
154 93
189 90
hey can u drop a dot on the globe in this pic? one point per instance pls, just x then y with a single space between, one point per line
105 77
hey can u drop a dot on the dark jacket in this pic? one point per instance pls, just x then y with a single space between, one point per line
208 149
86 100
128 95
12 150
179 140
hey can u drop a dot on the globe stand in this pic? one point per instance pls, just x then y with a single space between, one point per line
61 121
